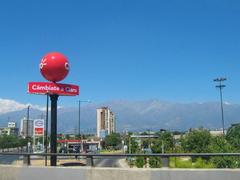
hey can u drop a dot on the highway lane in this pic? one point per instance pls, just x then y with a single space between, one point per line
112 162
4 159
8 159
101 162
97 162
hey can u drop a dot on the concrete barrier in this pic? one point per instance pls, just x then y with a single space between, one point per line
62 173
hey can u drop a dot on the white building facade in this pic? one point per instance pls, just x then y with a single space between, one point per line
106 124
23 127
12 124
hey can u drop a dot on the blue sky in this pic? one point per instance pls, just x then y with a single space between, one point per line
123 49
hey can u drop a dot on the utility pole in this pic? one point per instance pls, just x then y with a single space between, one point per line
221 86
149 140
129 145
26 159
27 130
79 121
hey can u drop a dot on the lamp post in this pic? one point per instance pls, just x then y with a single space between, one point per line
149 140
26 159
27 129
79 121
162 131
221 86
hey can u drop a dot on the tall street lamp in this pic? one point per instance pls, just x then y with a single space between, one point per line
221 86
27 129
26 159
79 120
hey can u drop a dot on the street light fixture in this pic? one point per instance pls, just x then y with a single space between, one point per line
79 120
27 130
26 159
221 86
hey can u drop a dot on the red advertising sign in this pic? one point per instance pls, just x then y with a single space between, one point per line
38 131
53 88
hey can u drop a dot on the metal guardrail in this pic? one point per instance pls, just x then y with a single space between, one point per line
90 157
124 155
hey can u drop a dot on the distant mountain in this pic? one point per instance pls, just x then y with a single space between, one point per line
155 114
139 115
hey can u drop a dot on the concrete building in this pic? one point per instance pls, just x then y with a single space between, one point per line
23 127
8 131
11 130
217 132
106 124
12 124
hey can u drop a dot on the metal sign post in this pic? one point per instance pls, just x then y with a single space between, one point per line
54 99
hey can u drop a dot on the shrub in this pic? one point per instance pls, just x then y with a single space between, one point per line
155 162
140 162
201 163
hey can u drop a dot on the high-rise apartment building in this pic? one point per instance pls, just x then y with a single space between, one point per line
23 127
106 124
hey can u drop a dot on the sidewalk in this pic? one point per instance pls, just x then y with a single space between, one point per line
123 163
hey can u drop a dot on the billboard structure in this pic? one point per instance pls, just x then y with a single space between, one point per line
54 67
38 132
38 127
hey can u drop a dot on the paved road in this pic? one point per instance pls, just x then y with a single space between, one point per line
106 162
8 159
97 162
111 162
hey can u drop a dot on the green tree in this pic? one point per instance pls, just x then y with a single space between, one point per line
221 145
22 142
146 143
133 147
164 142
131 143
11 142
113 140
145 133
196 141
233 136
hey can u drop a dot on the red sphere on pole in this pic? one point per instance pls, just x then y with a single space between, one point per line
54 66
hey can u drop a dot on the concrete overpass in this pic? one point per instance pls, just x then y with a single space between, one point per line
88 173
